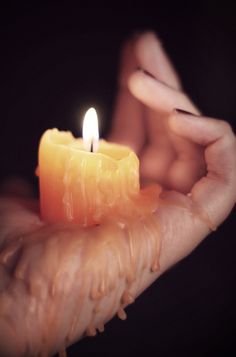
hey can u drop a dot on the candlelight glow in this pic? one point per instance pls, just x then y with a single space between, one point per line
90 131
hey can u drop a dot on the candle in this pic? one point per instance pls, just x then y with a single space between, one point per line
85 180
67 280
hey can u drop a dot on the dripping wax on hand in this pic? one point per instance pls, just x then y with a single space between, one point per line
50 278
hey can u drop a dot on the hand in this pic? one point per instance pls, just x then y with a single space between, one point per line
185 152
49 272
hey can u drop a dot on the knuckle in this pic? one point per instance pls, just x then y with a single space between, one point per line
225 127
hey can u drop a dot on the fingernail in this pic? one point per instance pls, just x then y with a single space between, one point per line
146 72
182 111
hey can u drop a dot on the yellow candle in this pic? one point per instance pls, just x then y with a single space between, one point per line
80 186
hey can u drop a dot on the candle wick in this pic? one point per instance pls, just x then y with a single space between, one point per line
91 148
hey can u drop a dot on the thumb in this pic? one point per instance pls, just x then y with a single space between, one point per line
216 192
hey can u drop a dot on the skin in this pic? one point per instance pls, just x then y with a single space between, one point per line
188 153
191 156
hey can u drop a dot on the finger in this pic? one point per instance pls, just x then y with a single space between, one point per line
152 57
183 174
158 95
181 170
127 124
188 167
154 164
216 192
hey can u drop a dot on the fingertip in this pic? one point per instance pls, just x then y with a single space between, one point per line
147 35
179 119
156 94
152 56
140 81
173 121
134 82
136 35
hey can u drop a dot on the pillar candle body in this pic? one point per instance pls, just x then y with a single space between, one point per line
84 187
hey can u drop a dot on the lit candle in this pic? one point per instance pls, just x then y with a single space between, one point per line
85 180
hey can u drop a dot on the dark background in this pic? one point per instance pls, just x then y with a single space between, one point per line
56 61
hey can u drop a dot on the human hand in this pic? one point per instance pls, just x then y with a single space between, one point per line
185 152
48 271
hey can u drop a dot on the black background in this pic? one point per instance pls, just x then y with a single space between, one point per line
56 61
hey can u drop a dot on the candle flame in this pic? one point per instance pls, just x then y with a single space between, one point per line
90 131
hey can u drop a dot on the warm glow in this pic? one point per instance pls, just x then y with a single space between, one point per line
90 130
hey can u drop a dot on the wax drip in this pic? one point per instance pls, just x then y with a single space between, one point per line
127 298
110 255
101 327
62 352
91 331
122 314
